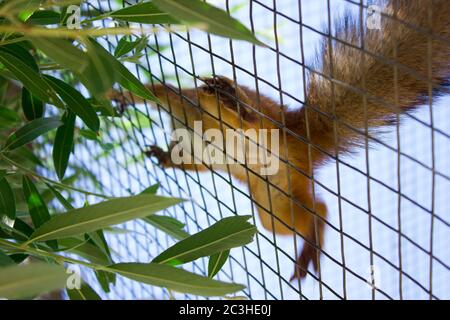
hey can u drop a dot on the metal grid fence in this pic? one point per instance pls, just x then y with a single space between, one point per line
388 207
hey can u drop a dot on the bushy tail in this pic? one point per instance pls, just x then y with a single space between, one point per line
378 74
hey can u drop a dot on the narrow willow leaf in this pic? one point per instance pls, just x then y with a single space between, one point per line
18 50
76 103
145 12
91 68
226 234
7 200
9 115
101 215
106 279
100 74
98 239
24 281
216 262
23 8
168 225
103 279
62 52
175 279
125 78
152 189
5 260
25 154
88 134
44 17
30 78
36 205
84 293
3 234
31 131
32 107
65 203
22 229
63 144
85 250
207 17
125 46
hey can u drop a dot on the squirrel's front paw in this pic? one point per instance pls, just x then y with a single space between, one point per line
231 95
226 89
159 154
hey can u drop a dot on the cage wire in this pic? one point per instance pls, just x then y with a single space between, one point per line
388 204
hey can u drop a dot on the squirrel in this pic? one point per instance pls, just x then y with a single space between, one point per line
364 82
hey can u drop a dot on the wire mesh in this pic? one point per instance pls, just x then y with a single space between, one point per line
388 204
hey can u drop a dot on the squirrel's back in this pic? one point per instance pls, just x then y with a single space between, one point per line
368 76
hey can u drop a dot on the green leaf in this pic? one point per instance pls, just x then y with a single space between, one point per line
124 46
31 131
33 108
175 279
36 206
84 293
29 280
84 249
63 144
76 102
100 74
65 203
9 115
104 279
38 210
101 215
44 17
23 230
29 77
88 134
204 16
125 78
7 201
18 50
145 12
25 154
169 225
62 52
24 8
152 189
91 67
216 262
98 239
226 234
5 260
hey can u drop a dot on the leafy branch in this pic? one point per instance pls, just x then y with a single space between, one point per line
45 60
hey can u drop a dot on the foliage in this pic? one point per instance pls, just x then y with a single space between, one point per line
54 81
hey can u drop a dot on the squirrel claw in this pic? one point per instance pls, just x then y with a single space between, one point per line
224 86
159 154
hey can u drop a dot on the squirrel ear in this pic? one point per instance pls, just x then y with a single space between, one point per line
231 95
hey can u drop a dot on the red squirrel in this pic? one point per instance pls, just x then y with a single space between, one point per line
353 93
